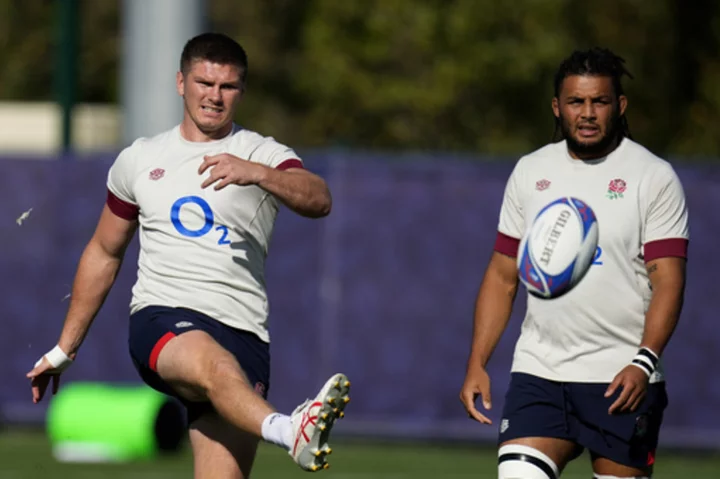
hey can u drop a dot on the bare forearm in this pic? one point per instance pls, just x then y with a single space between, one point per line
662 317
301 191
95 275
492 313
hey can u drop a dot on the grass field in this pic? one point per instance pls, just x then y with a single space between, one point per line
26 455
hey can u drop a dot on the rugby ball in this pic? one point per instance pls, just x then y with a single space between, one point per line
558 248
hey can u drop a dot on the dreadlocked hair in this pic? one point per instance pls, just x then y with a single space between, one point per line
596 62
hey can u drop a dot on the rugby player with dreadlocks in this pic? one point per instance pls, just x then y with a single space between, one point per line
587 369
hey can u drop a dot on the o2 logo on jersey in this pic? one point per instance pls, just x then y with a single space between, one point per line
205 228
598 254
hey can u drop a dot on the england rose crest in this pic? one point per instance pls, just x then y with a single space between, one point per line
542 185
157 173
616 188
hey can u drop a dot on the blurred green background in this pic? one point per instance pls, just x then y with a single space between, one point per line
451 75
469 76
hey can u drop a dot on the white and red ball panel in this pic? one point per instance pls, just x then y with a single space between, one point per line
558 247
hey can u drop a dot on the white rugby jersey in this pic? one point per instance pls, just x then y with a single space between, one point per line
593 331
199 248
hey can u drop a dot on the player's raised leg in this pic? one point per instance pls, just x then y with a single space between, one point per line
534 457
220 450
313 420
198 369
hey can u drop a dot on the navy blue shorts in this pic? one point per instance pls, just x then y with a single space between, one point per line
152 327
537 407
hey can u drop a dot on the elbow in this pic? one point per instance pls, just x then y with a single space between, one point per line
315 202
320 210
325 206
507 287
511 288
322 205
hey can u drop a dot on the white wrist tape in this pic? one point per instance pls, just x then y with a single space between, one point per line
57 359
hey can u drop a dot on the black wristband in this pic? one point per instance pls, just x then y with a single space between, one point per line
646 360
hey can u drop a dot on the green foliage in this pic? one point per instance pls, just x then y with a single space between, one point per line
464 75
28 48
26 39
467 74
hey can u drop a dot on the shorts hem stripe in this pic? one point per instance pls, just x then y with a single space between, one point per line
155 353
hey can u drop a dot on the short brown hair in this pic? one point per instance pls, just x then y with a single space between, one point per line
214 47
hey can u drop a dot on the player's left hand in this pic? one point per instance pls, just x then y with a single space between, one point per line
40 378
228 169
633 383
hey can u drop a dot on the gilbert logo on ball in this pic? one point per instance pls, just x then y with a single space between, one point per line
557 249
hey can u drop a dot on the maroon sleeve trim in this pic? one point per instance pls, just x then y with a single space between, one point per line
664 248
507 245
123 209
292 163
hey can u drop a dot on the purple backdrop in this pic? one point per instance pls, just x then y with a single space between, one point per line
383 290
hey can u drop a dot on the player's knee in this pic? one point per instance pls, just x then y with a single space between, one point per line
220 372
206 364
515 460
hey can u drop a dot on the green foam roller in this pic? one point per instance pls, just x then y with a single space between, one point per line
97 422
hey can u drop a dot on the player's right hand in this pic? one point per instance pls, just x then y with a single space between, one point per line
40 378
477 383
